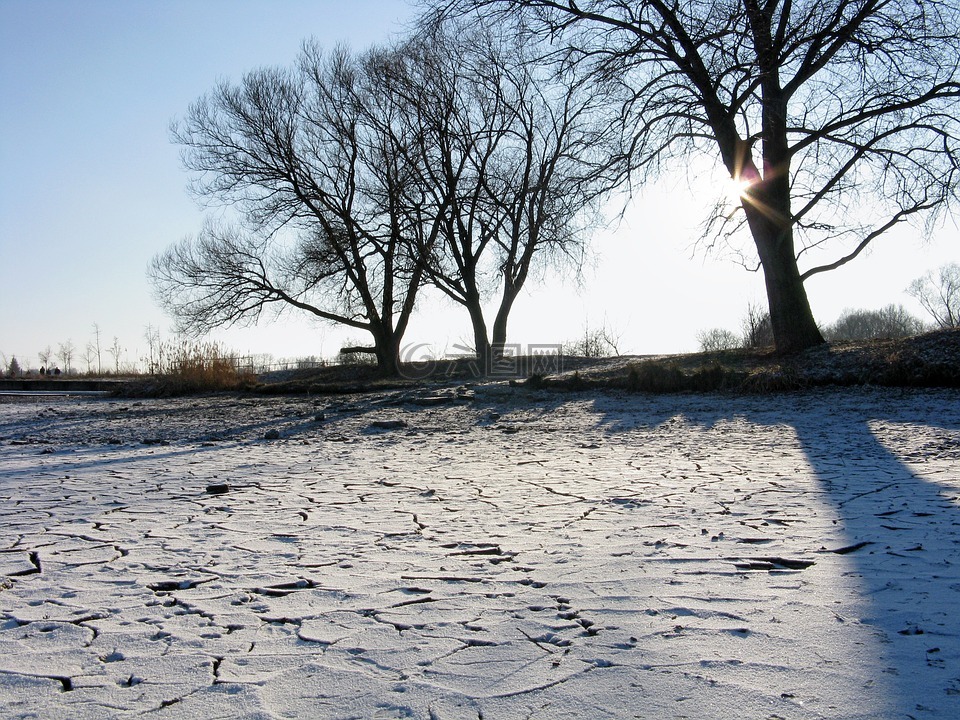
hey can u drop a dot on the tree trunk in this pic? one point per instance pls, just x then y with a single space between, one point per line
767 200
480 341
388 359
792 322
387 349
500 322
767 207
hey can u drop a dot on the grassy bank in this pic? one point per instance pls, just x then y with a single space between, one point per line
928 360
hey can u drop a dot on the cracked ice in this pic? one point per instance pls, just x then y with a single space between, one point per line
492 553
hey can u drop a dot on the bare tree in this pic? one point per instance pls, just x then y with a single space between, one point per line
595 343
89 356
154 347
65 352
839 117
939 294
45 355
96 347
310 159
117 352
509 159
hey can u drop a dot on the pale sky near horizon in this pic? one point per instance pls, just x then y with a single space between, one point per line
91 188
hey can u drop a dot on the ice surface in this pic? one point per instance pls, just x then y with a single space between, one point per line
503 554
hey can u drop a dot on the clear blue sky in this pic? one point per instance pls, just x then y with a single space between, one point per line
91 188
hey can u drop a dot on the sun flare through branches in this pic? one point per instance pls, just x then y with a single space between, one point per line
735 188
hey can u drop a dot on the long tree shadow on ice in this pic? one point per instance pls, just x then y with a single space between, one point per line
885 464
903 525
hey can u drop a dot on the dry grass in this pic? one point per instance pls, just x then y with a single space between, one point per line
187 368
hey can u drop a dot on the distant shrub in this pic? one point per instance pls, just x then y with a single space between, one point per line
772 380
596 343
757 328
713 377
908 368
893 321
655 377
717 339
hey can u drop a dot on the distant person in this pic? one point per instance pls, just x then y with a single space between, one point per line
43 370
56 371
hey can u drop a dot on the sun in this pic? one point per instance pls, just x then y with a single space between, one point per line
736 188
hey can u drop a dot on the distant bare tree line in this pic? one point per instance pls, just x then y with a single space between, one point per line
63 359
938 292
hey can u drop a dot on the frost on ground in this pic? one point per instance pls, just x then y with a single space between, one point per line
491 553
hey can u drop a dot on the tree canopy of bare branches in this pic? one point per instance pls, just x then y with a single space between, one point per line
840 117
317 166
513 161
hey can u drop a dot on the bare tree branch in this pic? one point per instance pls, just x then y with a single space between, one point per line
847 109
309 153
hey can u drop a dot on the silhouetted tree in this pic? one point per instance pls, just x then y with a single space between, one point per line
89 356
116 350
45 356
512 161
152 336
939 294
892 321
839 116
595 343
96 347
311 159
65 352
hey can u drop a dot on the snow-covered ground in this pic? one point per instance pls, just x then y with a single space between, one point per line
493 553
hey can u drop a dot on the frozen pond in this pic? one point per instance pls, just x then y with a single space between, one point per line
488 552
